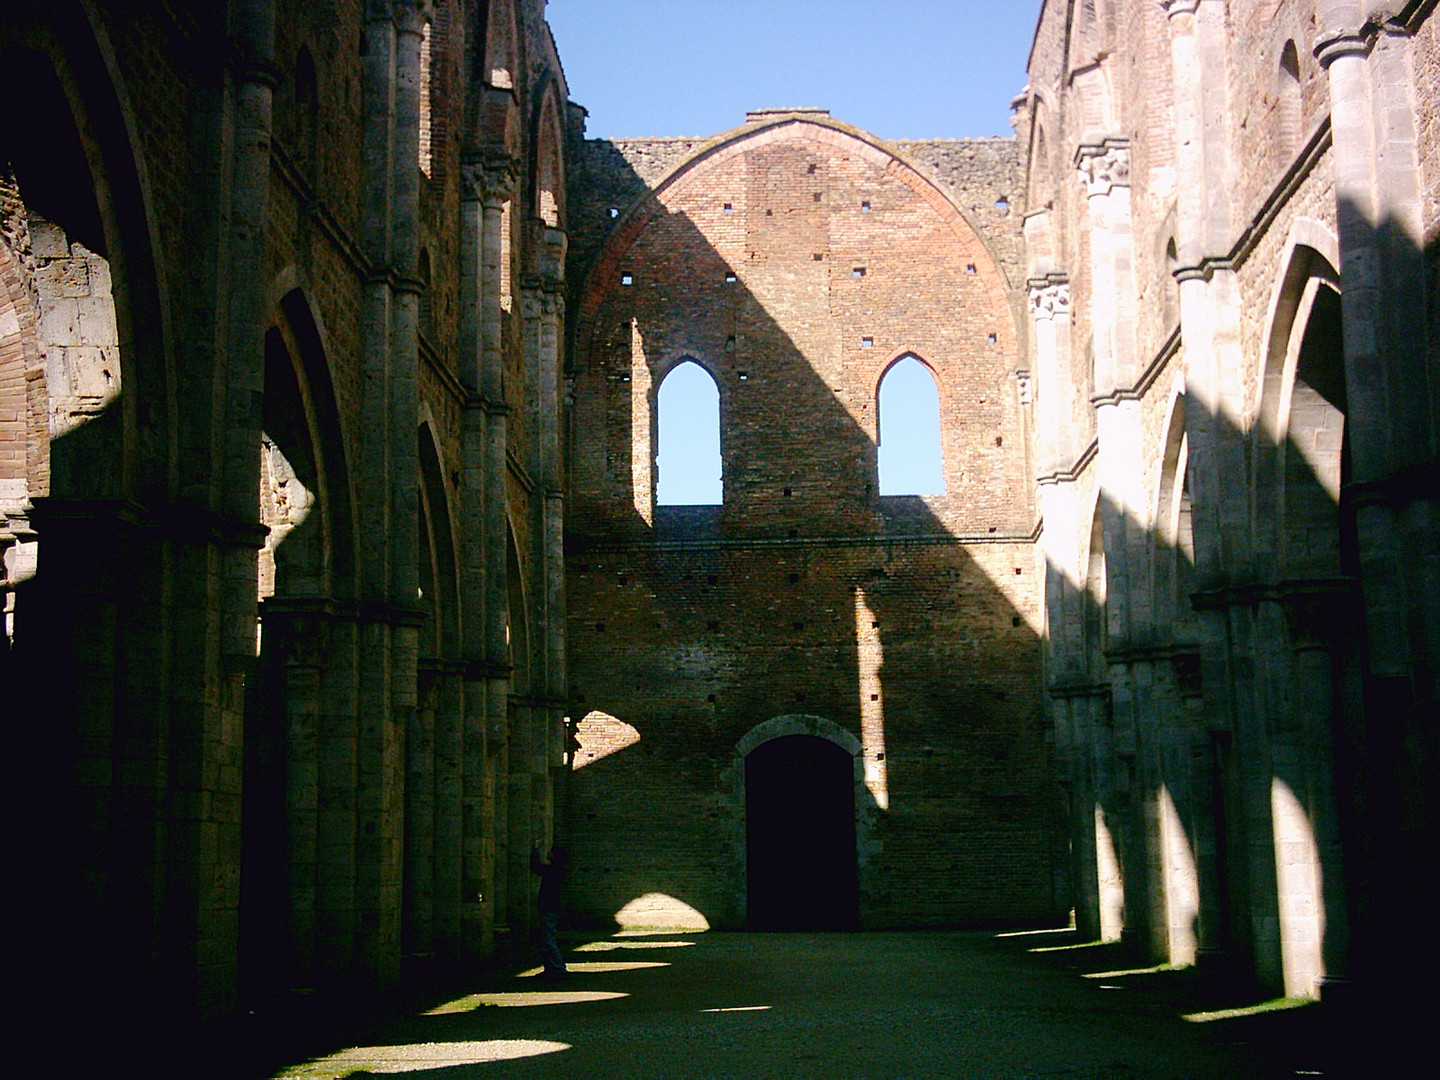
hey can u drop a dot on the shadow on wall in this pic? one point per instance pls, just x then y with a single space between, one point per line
1238 779
907 623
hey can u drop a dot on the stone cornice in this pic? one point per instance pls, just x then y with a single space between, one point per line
1070 475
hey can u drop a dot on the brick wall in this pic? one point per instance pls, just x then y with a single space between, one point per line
805 592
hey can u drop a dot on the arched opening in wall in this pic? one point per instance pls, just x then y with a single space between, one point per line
305 565
60 362
1302 475
1176 803
1287 104
1316 457
1109 867
433 738
1096 630
1171 287
908 430
307 111
500 58
549 162
1039 194
22 414
688 463
1175 557
800 835
427 299
507 247
427 69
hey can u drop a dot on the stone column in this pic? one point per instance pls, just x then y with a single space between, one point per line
1050 321
499 186
477 878
1218 460
1393 388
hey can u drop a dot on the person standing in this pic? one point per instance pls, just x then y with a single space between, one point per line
552 876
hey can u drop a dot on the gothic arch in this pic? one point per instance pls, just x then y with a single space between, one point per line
1298 470
501 68
439 568
633 221
799 724
547 136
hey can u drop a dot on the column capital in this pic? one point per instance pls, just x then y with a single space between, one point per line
1173 8
1331 45
488 175
1103 165
1049 296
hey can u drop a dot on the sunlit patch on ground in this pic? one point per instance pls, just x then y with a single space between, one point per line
1067 948
1250 1010
740 1008
652 933
598 965
610 946
515 1000
1132 971
1035 933
418 1057
657 911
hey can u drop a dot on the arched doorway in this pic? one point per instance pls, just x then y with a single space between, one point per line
800 835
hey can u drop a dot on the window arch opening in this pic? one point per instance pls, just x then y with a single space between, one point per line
908 432
687 463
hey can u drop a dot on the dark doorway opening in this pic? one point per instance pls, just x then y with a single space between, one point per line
800 835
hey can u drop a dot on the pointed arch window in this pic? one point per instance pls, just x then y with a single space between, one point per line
687 463
908 436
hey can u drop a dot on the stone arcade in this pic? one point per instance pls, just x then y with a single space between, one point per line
337 571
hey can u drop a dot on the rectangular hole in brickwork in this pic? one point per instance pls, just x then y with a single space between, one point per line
865 204
817 256
744 375
867 342
729 208
793 578
787 493
799 625
614 211
713 624
816 197
811 169
710 698
599 627
991 338
711 579
730 277
858 272
969 268
999 440
1015 620
794 533
627 279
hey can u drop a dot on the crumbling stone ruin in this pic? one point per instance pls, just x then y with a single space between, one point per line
342 565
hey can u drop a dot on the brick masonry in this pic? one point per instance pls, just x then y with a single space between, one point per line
908 621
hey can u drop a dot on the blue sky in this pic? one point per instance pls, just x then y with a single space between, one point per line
902 69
